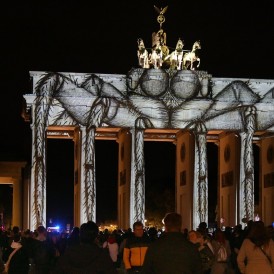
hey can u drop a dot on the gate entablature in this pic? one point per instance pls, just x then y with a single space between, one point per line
162 99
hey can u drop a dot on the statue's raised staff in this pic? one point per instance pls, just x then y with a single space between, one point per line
161 18
159 37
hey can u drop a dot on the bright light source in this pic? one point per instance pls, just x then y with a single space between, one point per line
53 228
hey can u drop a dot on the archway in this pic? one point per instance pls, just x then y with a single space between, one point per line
60 183
160 181
213 159
16 184
6 201
106 181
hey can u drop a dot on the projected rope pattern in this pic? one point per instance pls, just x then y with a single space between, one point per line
145 99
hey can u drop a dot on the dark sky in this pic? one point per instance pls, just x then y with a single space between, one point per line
101 37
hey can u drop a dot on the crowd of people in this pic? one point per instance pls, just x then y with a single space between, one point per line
86 250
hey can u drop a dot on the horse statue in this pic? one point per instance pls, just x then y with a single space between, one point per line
142 54
176 57
190 57
156 56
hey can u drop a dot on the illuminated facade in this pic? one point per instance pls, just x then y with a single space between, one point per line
165 99
189 108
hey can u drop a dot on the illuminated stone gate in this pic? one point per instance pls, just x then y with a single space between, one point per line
189 108
165 99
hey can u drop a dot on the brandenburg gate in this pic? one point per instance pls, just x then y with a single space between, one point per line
189 108
174 102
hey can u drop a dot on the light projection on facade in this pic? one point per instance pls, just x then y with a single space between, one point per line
167 94
147 99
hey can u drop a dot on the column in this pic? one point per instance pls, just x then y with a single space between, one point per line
38 171
246 187
137 192
200 188
88 184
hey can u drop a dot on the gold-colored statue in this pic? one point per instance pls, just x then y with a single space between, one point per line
159 36
156 57
191 57
142 54
159 56
175 59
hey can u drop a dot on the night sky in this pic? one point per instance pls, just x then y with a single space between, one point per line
101 37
